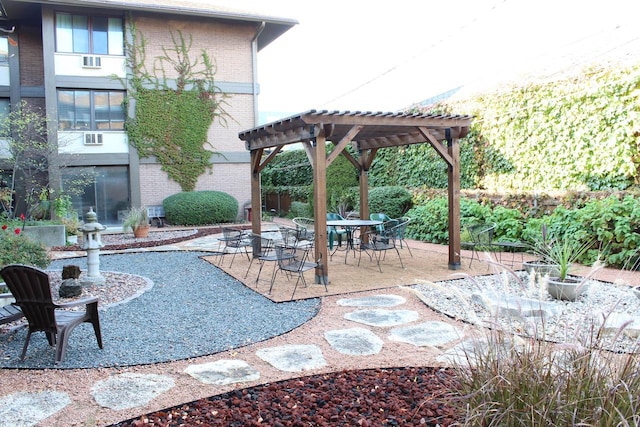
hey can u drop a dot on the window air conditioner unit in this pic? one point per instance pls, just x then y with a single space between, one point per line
90 61
92 138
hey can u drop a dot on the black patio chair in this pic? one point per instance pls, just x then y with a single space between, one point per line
234 240
378 244
294 260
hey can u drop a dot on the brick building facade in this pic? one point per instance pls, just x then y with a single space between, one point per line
68 57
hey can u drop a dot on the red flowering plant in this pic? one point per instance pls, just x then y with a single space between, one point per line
17 248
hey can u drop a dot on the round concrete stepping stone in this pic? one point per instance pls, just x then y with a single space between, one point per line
293 357
354 341
428 333
223 372
129 390
372 301
379 317
27 409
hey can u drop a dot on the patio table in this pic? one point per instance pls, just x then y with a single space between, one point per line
350 225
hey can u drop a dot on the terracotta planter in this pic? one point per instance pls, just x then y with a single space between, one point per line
568 289
141 231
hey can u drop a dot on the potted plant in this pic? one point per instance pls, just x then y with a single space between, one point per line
72 228
543 265
562 253
137 220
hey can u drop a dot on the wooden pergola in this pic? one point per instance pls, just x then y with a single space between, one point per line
367 132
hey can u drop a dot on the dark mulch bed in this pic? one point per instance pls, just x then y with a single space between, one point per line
372 397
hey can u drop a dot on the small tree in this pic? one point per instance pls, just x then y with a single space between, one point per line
24 132
28 154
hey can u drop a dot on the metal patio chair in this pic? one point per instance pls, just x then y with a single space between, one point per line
263 251
378 244
334 232
294 260
234 240
481 236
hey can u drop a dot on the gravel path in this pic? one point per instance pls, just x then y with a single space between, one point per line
192 309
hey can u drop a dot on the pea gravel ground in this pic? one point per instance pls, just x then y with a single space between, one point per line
193 309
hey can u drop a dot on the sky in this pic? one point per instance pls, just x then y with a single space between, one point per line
386 56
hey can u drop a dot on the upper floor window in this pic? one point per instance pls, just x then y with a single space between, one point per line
4 49
90 110
98 35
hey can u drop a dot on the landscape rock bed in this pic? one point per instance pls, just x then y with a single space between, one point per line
375 397
574 320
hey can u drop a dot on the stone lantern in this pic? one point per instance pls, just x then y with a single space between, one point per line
92 243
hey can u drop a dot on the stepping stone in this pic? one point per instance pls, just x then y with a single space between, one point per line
129 390
354 341
382 318
27 409
293 357
428 333
223 372
372 301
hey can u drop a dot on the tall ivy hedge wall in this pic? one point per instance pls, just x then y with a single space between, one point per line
579 133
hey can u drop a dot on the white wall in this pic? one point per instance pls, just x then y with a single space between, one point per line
72 64
74 143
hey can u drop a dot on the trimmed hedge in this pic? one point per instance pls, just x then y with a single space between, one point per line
200 208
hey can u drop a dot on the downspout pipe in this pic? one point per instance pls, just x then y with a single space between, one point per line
254 71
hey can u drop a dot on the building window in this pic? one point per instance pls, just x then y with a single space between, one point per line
98 35
107 193
4 49
90 110
5 109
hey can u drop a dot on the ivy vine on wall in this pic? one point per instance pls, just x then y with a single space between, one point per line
172 117
581 132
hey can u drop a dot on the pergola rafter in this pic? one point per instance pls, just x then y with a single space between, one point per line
367 132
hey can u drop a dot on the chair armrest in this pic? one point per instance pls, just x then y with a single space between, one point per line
84 301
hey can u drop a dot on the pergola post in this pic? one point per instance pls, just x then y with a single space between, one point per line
256 196
453 148
318 147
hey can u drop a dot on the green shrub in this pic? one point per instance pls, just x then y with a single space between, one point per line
300 209
200 208
509 224
430 221
472 211
393 201
613 222
17 248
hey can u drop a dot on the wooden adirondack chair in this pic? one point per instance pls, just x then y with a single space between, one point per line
31 288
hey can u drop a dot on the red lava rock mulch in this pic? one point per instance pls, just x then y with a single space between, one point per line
372 397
